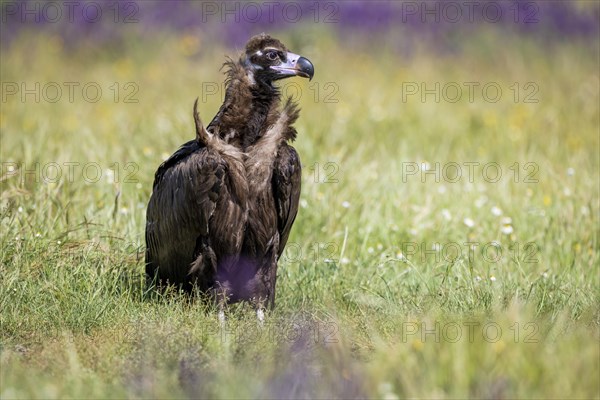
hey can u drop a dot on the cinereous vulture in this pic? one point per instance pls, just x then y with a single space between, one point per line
222 206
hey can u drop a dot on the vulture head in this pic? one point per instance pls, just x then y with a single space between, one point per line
268 60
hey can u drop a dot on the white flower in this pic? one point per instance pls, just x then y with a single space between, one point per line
303 203
477 278
584 210
545 275
345 261
20 209
496 243
138 185
469 222
163 124
481 201
425 166
493 278
386 391
436 247
400 256
110 175
379 246
507 229
496 211
567 191
38 235
370 250
124 210
570 171
446 214
346 204
442 189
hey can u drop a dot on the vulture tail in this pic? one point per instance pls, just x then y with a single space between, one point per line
202 135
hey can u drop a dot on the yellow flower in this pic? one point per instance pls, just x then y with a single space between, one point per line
518 117
154 72
189 45
124 68
498 346
490 120
69 123
417 345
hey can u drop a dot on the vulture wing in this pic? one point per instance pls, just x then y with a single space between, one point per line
286 190
186 190
195 213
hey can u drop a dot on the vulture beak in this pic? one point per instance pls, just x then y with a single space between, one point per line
295 66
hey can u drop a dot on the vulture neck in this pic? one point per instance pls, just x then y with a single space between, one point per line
265 99
250 106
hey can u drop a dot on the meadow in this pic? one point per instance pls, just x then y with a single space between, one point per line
446 244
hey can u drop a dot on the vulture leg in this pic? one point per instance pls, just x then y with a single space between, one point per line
221 298
260 314
268 274
221 315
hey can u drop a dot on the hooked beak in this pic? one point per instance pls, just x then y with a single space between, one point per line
295 66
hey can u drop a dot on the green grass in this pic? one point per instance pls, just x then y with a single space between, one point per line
365 307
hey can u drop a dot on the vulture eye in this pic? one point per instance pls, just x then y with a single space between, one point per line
272 55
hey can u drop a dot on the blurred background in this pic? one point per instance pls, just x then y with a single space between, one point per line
96 94
112 83
398 26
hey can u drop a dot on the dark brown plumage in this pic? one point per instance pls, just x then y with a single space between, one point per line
223 205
